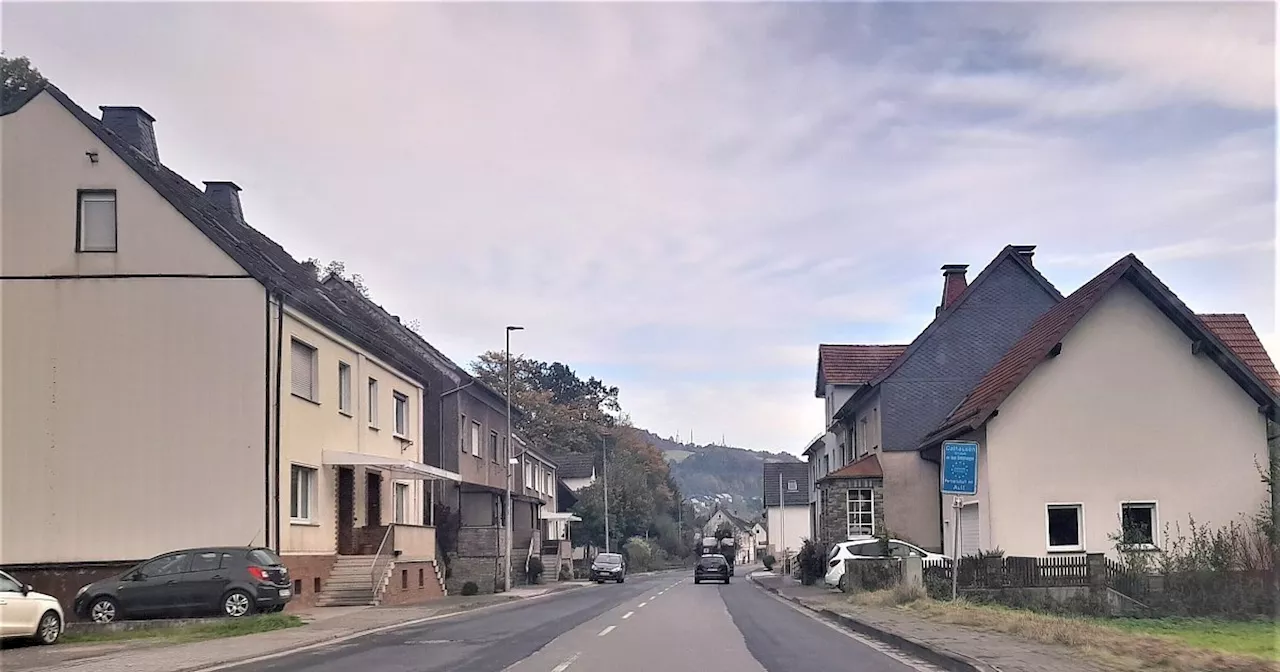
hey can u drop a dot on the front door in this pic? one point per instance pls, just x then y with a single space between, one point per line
346 510
373 499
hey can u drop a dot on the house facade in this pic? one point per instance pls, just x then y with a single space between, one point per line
159 354
899 394
1165 421
786 506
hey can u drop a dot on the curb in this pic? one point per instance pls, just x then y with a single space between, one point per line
934 655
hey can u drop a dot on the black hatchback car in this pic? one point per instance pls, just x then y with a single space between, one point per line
234 581
609 567
711 567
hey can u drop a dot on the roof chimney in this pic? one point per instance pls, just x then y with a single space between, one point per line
1025 251
134 126
225 195
953 284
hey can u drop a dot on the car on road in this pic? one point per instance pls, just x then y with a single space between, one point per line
712 567
870 547
26 614
609 567
233 581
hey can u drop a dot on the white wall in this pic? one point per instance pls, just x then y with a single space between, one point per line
795 520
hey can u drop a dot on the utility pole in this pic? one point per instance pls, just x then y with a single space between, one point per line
782 532
506 546
604 471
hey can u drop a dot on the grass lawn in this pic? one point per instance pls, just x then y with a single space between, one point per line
1254 638
192 633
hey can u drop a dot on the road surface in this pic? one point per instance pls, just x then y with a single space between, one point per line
653 623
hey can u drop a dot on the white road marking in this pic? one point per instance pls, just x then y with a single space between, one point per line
642 604
565 665
627 615
606 631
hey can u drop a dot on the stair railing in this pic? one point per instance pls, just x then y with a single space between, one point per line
373 571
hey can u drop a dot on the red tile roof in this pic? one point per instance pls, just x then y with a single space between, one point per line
1234 330
867 466
1048 331
855 364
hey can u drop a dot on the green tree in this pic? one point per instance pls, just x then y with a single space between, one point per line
724 531
18 76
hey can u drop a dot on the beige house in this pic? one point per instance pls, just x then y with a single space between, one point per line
173 378
1119 408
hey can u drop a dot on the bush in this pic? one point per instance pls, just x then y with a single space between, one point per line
769 561
811 562
640 555
871 574
566 574
470 588
535 568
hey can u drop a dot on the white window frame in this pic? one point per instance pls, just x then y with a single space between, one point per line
373 402
1076 548
1154 505
302 504
313 394
400 403
344 388
401 496
85 196
793 485
850 513
528 474
475 439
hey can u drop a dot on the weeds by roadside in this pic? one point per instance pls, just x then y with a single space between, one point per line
191 633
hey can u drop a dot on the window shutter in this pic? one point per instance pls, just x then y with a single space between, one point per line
303 372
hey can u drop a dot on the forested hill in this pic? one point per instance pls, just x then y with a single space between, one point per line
714 473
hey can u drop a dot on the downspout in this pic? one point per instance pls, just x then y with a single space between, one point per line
266 421
279 373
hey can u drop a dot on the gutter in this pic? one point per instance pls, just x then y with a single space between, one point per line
279 373
266 421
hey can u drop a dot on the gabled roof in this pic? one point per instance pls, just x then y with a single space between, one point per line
867 466
1041 341
791 471
852 364
1234 330
261 257
1009 253
575 465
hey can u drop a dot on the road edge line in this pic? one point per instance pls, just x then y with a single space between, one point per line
935 655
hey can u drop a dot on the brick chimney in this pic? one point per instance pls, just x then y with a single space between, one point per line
134 126
1026 252
225 195
953 284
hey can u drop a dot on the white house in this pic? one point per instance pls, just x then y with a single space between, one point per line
1119 405
786 505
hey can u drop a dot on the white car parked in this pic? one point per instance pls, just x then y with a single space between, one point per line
869 547
25 613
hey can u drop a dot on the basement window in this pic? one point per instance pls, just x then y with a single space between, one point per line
1066 527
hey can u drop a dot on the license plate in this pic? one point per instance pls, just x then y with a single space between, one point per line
285 593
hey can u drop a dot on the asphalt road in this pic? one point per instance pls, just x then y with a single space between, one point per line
654 623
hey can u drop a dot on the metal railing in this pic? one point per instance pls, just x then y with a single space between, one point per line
373 571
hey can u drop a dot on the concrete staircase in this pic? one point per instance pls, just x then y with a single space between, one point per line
350 583
550 568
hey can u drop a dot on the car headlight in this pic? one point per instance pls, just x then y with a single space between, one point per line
83 589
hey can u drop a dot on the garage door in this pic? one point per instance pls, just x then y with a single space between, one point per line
969 530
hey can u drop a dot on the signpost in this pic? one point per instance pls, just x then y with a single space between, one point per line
959 477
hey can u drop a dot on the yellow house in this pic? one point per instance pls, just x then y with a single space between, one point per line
172 378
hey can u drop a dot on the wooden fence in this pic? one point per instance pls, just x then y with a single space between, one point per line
1017 572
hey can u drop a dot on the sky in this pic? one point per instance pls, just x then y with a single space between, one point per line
686 199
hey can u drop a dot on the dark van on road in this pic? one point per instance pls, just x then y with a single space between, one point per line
233 581
711 567
608 567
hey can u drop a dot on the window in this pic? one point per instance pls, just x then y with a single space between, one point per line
167 565
302 487
462 433
402 414
475 439
1138 524
861 512
528 475
205 562
302 371
493 446
344 387
402 503
8 585
792 486
826 464
1066 527
373 403
96 220
505 455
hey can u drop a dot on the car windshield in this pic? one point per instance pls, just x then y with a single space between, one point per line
712 561
609 559
262 556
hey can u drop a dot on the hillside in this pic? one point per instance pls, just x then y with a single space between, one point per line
712 473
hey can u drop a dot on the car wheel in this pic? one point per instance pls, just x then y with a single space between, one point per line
697 581
621 579
50 628
726 580
104 610
237 603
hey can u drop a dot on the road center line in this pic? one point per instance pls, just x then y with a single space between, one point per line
642 604
627 615
565 665
606 631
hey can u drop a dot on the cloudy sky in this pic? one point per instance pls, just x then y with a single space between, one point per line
686 199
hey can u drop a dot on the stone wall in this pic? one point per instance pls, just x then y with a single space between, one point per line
309 574
479 559
412 583
833 519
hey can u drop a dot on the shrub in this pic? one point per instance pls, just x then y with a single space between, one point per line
811 562
769 561
470 588
566 574
639 555
871 574
534 568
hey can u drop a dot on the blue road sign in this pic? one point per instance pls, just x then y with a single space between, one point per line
959 468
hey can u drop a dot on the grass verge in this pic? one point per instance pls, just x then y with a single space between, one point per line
1173 645
191 633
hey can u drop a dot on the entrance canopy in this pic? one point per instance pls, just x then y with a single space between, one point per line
562 515
399 467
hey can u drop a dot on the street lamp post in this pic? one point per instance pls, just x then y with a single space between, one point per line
506 546
604 471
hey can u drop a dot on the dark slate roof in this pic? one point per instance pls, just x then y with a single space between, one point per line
1010 252
1235 331
867 466
1040 342
852 364
797 471
575 465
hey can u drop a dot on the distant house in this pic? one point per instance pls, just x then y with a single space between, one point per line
577 470
1118 409
743 533
786 505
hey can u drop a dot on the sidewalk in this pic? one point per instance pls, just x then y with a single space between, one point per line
970 649
323 625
